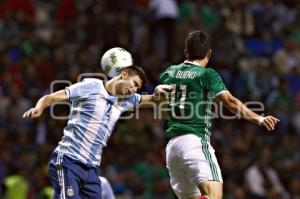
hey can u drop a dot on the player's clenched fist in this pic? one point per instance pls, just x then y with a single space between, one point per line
162 90
33 112
269 122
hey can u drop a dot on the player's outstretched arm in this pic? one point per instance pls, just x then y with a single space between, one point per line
235 106
45 101
161 93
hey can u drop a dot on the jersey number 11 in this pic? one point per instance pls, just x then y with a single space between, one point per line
182 99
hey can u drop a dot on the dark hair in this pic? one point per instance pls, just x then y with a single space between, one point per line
136 70
197 44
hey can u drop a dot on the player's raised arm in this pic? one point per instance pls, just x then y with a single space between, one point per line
235 106
45 101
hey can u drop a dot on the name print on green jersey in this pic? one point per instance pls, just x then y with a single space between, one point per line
182 74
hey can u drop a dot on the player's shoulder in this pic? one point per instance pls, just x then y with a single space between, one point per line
210 71
93 84
92 80
212 75
173 66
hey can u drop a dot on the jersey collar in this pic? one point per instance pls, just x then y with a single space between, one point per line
191 62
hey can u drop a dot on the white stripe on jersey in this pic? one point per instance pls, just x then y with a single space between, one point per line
92 127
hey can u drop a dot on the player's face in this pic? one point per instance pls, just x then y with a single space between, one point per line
128 84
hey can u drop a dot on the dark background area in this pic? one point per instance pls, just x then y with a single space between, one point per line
256 50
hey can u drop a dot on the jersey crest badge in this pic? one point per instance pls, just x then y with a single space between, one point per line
70 191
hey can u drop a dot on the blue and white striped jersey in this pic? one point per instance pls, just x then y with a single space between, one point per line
92 118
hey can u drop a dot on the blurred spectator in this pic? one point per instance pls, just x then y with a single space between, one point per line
262 179
287 58
295 188
23 9
239 19
18 182
163 28
66 13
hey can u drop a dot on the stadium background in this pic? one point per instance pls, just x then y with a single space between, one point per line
256 50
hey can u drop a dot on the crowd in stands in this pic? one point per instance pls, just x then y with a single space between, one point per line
256 50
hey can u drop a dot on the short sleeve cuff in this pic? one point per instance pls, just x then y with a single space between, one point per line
138 99
67 91
219 93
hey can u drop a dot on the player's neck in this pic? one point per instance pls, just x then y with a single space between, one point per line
110 87
202 62
199 62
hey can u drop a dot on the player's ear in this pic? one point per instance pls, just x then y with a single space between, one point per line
124 74
208 53
186 53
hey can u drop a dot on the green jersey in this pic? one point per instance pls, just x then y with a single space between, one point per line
194 88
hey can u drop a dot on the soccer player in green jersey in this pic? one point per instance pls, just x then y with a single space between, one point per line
191 161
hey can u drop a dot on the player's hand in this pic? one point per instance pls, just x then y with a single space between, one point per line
162 90
33 113
269 122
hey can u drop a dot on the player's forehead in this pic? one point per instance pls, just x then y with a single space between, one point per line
137 80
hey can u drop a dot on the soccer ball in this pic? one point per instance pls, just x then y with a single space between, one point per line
114 60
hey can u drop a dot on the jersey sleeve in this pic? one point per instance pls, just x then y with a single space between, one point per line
213 82
81 90
131 102
134 100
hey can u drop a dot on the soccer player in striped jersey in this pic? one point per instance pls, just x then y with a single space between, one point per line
96 107
191 161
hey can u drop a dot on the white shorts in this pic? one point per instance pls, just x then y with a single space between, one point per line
190 161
